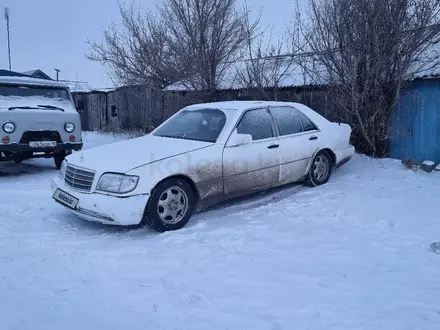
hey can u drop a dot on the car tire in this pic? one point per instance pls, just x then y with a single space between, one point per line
320 169
170 206
59 158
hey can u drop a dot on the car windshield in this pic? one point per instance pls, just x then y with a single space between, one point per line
13 91
200 125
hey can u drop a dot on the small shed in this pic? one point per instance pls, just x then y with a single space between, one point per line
137 108
415 131
92 108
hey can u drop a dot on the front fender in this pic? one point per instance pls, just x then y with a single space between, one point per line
203 167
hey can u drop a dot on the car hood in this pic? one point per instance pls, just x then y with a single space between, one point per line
126 155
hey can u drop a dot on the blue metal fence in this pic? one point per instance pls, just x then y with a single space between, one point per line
415 131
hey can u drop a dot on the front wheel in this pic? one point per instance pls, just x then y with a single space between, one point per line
170 205
320 170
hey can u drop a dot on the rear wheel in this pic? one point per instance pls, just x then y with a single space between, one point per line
170 205
320 170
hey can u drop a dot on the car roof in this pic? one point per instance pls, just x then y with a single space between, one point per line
239 105
16 80
236 108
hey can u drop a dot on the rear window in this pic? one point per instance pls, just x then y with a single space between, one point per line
307 123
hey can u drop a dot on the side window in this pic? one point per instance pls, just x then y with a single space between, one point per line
288 120
306 122
80 104
257 123
114 111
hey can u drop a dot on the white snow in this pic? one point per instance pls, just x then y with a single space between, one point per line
353 254
428 163
31 81
84 87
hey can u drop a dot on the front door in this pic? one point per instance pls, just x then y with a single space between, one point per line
255 165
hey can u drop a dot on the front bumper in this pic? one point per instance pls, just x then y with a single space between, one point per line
105 209
23 147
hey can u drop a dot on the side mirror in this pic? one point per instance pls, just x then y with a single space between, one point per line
237 139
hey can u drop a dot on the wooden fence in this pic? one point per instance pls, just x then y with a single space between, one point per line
140 108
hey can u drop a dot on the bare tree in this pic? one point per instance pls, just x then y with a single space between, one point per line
265 67
267 64
366 50
208 36
189 42
139 53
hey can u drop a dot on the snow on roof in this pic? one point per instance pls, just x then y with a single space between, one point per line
31 81
84 87
239 105
79 86
31 72
229 105
427 65
38 74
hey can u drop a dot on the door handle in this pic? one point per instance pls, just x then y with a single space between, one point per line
273 146
313 138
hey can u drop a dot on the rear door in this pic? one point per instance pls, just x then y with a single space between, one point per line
251 166
298 140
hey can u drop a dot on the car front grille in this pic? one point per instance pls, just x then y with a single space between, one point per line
78 178
29 136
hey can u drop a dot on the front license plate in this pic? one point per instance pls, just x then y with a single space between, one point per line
65 199
42 144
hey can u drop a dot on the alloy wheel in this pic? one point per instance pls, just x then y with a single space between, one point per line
172 205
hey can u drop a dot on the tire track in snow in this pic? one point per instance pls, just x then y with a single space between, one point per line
250 202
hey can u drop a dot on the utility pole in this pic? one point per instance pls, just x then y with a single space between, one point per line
9 40
57 71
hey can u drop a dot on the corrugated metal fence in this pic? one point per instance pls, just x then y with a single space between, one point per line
415 130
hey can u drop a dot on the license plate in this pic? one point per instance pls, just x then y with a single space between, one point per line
65 199
42 144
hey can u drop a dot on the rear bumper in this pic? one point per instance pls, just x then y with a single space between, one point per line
104 209
344 156
23 147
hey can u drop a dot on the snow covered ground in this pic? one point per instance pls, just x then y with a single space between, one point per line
353 254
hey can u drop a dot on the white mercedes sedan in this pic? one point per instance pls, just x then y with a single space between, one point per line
204 154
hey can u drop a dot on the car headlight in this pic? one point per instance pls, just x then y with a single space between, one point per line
9 127
62 171
69 127
117 183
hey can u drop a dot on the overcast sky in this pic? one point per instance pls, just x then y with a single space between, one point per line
49 34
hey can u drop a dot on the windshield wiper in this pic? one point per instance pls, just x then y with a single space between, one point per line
25 107
170 136
50 107
183 137
36 108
